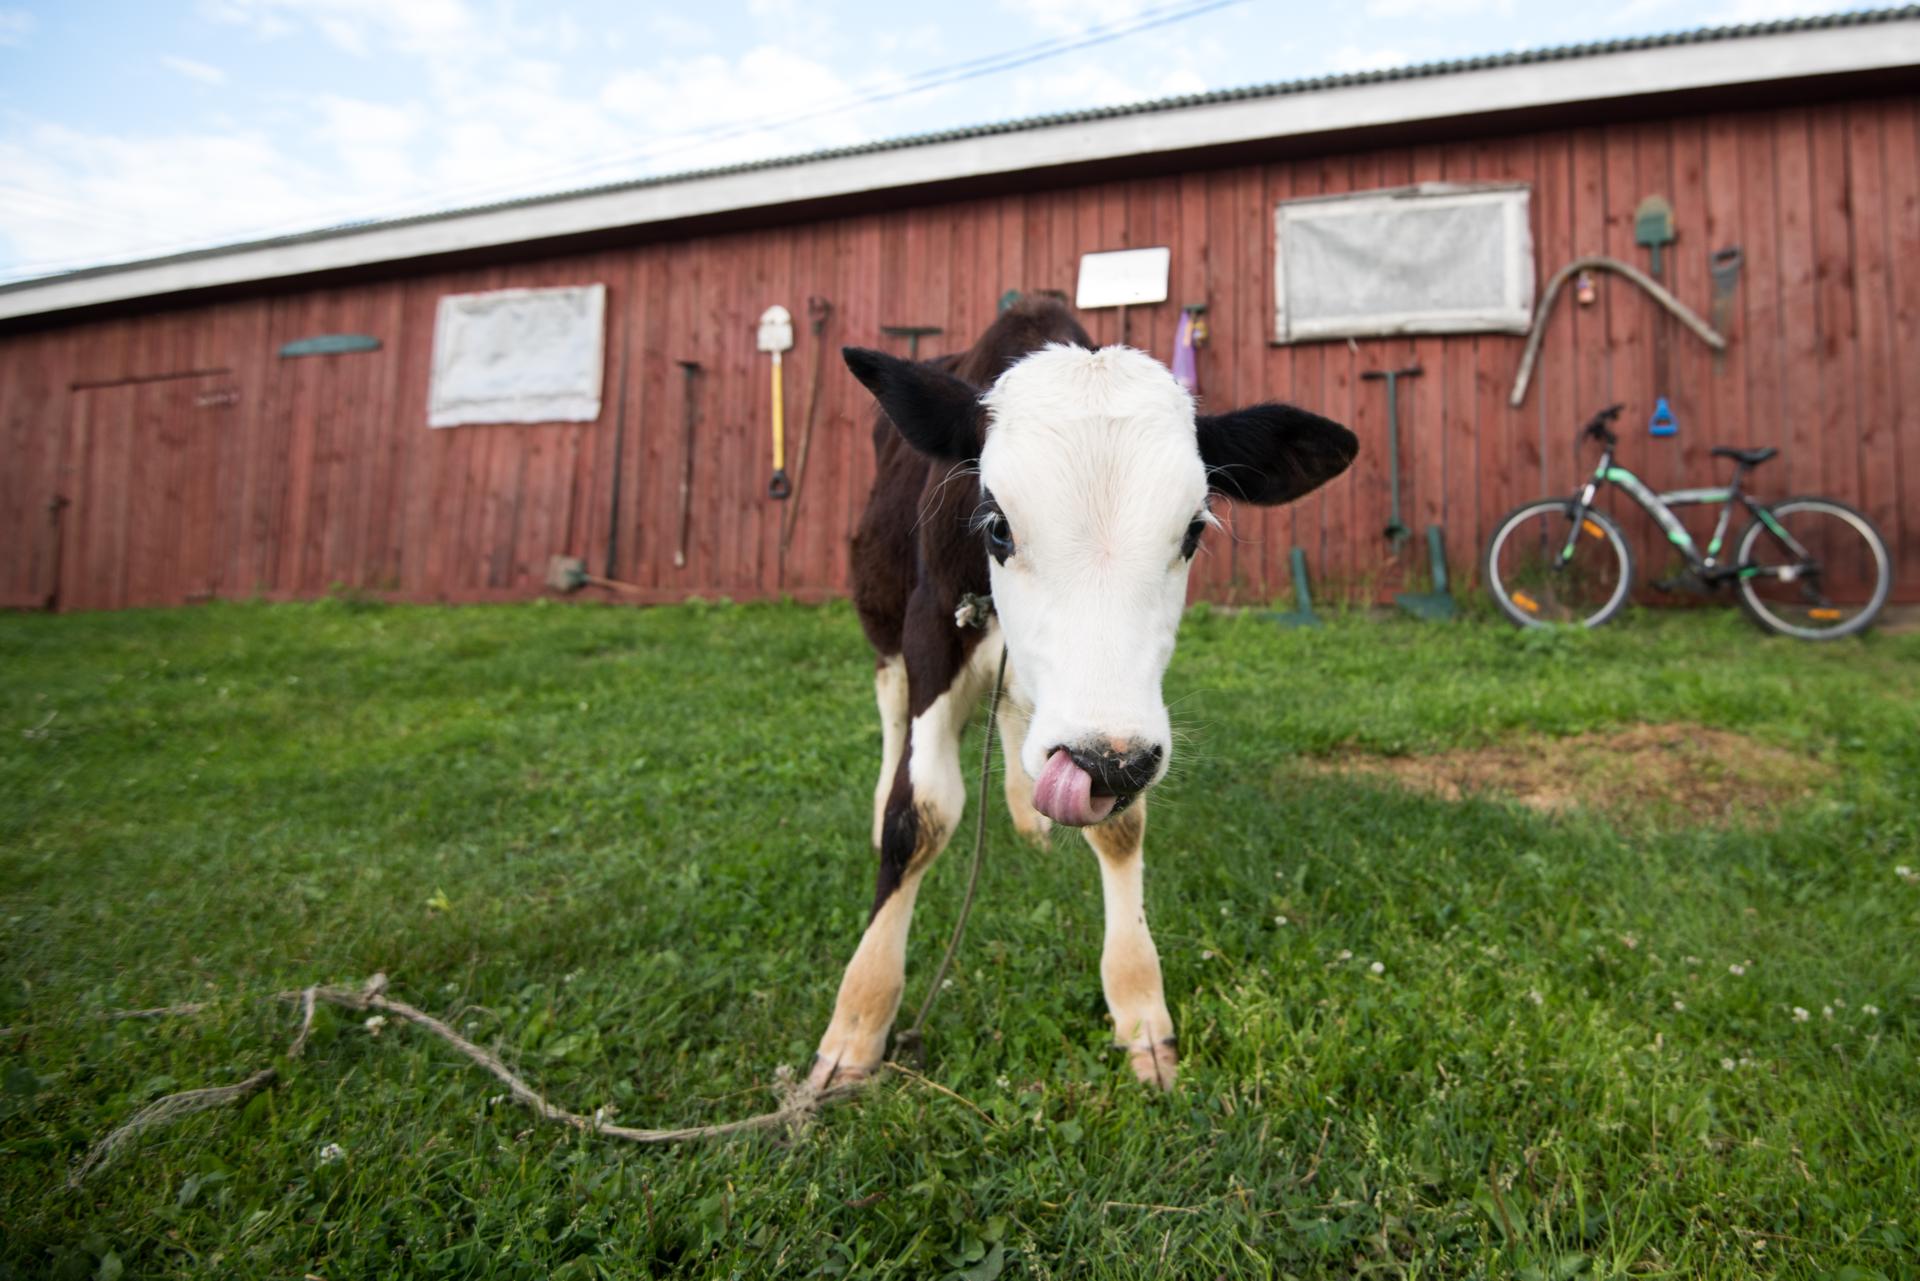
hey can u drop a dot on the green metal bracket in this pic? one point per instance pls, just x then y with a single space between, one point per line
330 345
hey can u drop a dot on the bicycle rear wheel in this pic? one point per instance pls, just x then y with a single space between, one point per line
1837 589
1535 581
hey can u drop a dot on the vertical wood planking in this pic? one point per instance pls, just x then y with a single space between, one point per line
1727 220
1659 359
1213 570
1331 506
1873 317
1458 428
1423 422
1902 144
646 429
1629 322
1255 528
1761 312
1518 461
1839 373
323 472
1689 359
1800 468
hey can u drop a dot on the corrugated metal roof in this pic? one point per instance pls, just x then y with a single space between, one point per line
1278 89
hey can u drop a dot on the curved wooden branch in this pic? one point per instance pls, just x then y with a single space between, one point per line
1707 333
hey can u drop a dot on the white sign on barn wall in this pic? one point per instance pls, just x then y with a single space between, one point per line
1123 278
1437 258
518 356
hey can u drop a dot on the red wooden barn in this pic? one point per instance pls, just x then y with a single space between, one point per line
164 444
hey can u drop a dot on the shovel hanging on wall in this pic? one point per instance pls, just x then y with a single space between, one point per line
776 336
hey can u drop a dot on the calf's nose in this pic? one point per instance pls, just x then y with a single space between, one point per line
1122 769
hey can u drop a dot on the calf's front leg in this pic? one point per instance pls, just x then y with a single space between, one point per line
1129 963
921 811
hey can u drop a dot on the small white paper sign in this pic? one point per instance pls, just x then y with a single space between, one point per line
1123 278
518 356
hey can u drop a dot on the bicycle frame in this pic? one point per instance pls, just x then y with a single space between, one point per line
1660 507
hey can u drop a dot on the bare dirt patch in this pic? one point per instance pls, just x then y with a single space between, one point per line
1709 775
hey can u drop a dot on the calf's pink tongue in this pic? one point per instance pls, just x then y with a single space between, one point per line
1064 793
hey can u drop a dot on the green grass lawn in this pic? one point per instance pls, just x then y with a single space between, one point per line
627 849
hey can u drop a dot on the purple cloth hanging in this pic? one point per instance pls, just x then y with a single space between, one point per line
1184 370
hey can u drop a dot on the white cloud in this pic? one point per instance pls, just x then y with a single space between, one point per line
490 111
95 197
1349 58
1635 14
417 25
923 40
15 26
1739 12
753 106
1446 9
205 73
1066 17
351 123
372 142
678 30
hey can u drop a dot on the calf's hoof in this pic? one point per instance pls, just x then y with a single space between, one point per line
830 1073
1155 1063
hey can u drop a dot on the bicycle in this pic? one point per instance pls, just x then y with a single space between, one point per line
1807 567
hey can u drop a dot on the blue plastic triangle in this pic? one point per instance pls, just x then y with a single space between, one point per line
1662 424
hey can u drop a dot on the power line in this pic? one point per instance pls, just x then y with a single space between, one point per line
921 82
53 205
934 78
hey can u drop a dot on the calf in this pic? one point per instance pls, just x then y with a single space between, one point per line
1070 486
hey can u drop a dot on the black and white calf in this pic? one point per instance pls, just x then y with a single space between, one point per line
1071 485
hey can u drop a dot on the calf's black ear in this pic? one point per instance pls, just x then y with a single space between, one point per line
940 415
1273 453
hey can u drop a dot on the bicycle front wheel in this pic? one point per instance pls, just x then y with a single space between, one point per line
1544 568
1836 589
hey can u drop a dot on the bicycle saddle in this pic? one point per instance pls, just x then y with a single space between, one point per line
1750 457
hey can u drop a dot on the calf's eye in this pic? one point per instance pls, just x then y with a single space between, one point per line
1191 543
999 536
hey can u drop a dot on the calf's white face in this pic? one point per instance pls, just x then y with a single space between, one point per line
1095 475
1093 499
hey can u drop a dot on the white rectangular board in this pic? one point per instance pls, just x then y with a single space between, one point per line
1437 258
1123 278
518 356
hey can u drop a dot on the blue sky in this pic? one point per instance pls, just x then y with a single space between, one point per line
129 129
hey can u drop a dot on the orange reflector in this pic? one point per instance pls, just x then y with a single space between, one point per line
1593 529
1526 602
1824 615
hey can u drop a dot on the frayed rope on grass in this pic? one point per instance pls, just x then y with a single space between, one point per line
798 1100
171 1108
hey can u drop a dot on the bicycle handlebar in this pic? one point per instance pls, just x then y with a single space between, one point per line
1597 429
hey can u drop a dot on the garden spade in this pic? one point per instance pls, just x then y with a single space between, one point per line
776 336
1301 615
1653 228
1396 530
1437 605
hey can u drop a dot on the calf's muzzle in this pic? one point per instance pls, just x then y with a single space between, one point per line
1087 783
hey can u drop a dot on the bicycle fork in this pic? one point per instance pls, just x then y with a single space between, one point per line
1580 506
